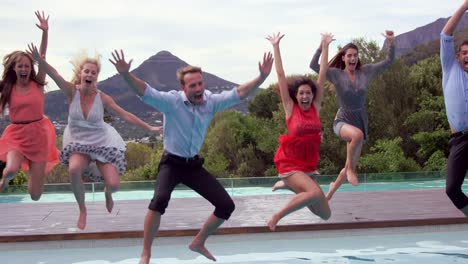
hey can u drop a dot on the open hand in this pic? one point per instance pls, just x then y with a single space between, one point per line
327 38
43 21
275 38
265 66
119 62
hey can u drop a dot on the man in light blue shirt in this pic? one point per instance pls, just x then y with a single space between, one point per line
187 115
455 87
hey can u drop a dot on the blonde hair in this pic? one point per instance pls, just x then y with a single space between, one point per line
79 61
187 69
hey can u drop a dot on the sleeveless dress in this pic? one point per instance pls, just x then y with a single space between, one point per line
92 136
30 132
299 149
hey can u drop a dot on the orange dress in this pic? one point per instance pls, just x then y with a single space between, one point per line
299 149
30 132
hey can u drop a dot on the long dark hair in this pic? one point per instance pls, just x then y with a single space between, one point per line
9 76
337 61
293 87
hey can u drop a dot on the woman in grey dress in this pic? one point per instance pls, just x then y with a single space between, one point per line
351 79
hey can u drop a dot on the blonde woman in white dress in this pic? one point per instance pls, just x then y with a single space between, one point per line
87 137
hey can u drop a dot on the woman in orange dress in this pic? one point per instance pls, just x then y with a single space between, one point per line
28 143
298 153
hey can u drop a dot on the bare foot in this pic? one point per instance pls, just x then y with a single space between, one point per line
199 247
5 181
81 220
2 185
109 201
272 223
352 177
279 185
144 260
331 191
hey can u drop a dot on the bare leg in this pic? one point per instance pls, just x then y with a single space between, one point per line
198 243
13 164
151 226
112 180
355 139
77 163
336 184
36 179
307 192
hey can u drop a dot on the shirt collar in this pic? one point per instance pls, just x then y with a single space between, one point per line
186 100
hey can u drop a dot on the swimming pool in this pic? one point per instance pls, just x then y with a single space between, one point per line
67 196
427 244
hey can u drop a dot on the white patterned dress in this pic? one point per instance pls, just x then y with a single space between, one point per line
92 136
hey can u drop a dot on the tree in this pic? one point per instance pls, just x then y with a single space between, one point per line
387 156
264 103
137 155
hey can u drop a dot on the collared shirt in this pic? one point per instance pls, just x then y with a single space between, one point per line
185 124
455 85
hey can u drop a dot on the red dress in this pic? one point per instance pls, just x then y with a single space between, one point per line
299 149
30 132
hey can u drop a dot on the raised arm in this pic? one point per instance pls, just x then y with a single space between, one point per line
282 82
314 63
65 86
452 23
123 67
377 68
327 38
264 68
44 26
110 104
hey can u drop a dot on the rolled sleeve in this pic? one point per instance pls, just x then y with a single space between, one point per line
225 99
158 99
447 51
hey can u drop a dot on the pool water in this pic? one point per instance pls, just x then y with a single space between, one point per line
240 191
426 245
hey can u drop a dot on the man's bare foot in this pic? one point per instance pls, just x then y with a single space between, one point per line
199 247
144 260
331 191
82 220
352 177
279 185
109 201
272 223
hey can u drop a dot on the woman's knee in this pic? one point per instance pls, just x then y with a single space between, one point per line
325 214
75 171
357 136
35 196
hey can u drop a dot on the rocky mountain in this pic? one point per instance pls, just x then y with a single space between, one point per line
407 42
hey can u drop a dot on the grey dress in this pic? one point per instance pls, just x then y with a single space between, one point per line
352 95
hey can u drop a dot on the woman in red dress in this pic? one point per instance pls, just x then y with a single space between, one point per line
298 153
28 143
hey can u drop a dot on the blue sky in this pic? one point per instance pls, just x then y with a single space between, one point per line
226 38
